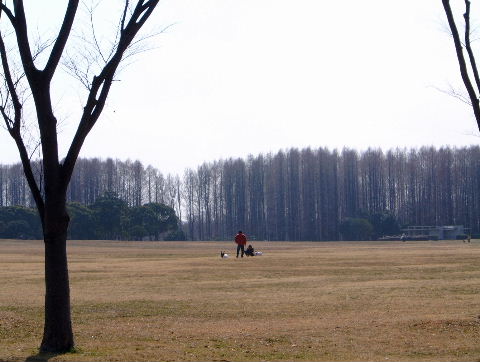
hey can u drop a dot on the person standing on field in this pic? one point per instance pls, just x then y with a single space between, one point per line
241 241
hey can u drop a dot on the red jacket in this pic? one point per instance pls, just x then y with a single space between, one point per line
241 239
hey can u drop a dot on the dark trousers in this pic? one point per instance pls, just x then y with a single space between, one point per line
242 248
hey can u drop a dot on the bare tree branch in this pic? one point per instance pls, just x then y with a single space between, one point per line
96 55
468 45
82 75
7 11
94 34
455 94
62 38
40 47
101 85
13 127
20 26
124 16
140 46
27 168
461 61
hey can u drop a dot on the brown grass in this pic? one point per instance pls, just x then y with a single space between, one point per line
414 301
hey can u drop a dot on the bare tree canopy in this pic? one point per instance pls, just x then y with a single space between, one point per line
26 78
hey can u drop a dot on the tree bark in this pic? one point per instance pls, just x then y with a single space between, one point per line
57 334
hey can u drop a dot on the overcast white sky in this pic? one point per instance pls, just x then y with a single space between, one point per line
231 78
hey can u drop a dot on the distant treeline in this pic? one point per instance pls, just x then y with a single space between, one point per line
108 218
308 194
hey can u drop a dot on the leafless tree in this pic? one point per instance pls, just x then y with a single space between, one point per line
51 203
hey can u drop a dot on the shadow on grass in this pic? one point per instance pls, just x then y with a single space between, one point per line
42 357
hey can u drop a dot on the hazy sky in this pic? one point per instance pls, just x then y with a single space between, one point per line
231 78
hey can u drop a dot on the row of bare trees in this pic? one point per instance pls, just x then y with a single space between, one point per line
305 194
290 195
131 181
92 178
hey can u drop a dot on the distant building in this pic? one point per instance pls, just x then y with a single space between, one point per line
446 232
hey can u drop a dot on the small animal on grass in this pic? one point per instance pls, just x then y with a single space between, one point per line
223 255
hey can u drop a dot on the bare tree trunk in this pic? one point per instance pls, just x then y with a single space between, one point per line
57 333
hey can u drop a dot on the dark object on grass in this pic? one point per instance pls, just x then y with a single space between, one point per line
250 251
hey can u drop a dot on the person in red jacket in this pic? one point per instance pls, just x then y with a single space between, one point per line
241 241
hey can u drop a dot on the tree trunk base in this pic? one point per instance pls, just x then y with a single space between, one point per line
57 332
57 345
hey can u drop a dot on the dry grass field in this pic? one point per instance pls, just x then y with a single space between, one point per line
364 301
